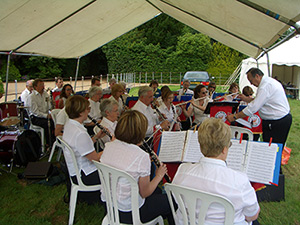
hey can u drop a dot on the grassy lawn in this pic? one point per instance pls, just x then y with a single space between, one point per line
23 203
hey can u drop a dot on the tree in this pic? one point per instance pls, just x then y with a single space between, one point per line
192 53
223 60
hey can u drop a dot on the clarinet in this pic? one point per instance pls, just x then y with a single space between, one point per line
155 159
124 106
158 112
100 126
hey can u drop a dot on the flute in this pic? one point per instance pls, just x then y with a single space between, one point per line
198 99
100 126
155 159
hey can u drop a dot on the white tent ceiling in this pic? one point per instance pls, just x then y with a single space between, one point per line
72 28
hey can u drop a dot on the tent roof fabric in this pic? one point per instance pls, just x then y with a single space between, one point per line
70 29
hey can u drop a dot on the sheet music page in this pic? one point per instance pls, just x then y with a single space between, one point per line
235 158
192 151
171 147
261 161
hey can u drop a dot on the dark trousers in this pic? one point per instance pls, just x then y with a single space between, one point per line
43 122
155 205
91 197
277 129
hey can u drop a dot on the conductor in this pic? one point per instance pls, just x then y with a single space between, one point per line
272 104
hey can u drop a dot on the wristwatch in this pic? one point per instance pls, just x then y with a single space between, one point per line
234 117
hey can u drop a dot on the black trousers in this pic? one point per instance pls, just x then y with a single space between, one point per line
91 197
277 129
43 122
155 205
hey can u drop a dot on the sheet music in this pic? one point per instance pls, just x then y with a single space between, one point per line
261 162
192 151
172 144
235 157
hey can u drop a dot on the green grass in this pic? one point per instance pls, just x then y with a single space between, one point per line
23 203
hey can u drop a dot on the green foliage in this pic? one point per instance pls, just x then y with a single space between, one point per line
223 60
192 53
14 73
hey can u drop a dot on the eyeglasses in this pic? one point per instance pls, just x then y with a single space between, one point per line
68 89
204 92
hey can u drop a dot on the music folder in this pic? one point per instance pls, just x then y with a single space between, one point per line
234 106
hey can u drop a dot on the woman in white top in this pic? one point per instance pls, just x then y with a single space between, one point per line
197 107
116 94
66 92
76 136
169 110
110 113
125 154
95 94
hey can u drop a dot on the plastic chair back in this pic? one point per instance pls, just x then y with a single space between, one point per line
109 177
187 199
237 131
75 187
54 113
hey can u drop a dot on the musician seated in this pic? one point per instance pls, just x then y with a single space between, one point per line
169 110
143 105
212 175
110 113
125 154
246 95
185 88
112 82
95 94
233 92
158 101
40 104
65 93
154 85
25 94
76 136
197 107
116 94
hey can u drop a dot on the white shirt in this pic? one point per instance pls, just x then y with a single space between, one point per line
131 159
111 126
168 112
95 112
120 103
79 140
24 97
149 113
62 117
270 100
188 91
198 113
213 176
40 104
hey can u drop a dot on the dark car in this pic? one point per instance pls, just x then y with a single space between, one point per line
196 77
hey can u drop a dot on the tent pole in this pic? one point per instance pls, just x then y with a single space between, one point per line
76 75
268 63
7 72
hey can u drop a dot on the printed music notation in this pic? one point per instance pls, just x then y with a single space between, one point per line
181 146
256 159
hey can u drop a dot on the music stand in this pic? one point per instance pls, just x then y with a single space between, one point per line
221 109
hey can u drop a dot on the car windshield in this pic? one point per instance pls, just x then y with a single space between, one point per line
201 75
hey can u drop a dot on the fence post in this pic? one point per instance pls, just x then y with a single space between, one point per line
101 79
220 79
71 80
170 77
82 82
180 78
16 89
146 78
153 76
161 81
140 79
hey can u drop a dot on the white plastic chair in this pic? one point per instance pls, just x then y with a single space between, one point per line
100 144
75 187
237 131
109 178
38 129
187 200
54 113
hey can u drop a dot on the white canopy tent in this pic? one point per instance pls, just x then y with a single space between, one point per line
284 63
73 28
70 29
